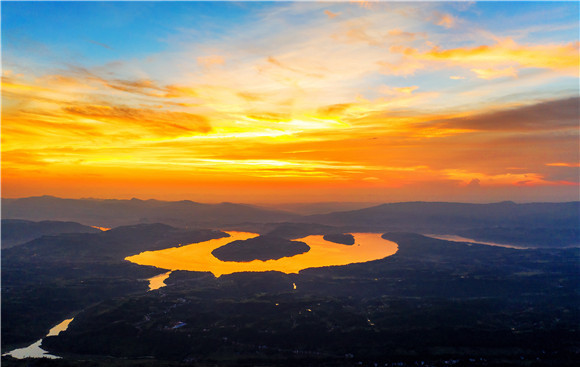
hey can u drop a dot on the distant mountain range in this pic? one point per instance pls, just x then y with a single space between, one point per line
319 207
113 213
443 216
533 224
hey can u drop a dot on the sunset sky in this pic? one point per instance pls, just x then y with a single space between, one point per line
291 102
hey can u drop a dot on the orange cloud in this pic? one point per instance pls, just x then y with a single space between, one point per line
442 19
504 179
397 90
359 34
178 91
166 123
82 79
363 3
10 84
334 110
403 68
330 14
562 58
503 59
295 71
560 164
406 35
144 87
495 73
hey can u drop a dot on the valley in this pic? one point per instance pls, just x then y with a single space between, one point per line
397 297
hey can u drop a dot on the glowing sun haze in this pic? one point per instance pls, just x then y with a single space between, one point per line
292 101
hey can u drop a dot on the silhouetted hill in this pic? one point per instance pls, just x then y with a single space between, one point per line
260 248
343 239
320 207
113 213
533 224
526 236
558 223
444 215
109 246
16 231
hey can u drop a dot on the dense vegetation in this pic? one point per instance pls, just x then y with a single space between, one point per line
48 279
344 239
260 248
433 301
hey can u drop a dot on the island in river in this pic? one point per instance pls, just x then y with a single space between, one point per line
342 238
260 248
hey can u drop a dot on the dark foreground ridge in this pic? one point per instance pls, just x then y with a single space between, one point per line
260 248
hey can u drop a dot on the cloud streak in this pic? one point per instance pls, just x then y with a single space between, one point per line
561 58
553 115
166 123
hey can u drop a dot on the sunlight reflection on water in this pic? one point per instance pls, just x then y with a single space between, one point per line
455 238
34 350
158 281
198 257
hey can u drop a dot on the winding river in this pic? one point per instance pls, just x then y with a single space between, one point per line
34 350
198 257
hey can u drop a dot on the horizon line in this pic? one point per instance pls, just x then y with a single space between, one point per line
373 203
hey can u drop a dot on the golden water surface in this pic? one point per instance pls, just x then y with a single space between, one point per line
198 257
34 350
60 327
158 281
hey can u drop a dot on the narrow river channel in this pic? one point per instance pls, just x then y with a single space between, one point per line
34 350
